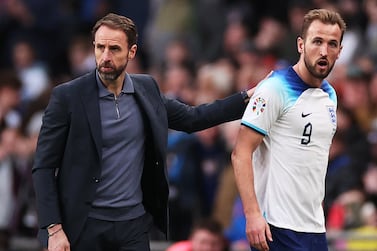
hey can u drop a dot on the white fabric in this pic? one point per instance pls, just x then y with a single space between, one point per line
290 165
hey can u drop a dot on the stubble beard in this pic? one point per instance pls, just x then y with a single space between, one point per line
111 76
317 74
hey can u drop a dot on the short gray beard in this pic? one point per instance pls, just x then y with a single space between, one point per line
112 76
109 76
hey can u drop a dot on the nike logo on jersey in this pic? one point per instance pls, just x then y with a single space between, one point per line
305 115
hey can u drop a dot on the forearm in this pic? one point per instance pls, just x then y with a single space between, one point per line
244 176
190 119
47 201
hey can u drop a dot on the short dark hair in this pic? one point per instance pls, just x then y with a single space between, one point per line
118 22
208 224
326 17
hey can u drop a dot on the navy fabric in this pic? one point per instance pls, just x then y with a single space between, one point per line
288 240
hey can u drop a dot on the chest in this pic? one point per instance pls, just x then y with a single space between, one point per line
310 119
121 120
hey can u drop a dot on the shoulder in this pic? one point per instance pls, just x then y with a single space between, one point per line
274 84
143 78
329 89
282 87
71 90
145 82
278 79
78 82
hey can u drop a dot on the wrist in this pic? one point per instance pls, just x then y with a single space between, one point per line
52 233
53 227
245 96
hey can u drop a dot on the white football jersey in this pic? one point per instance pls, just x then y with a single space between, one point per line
298 123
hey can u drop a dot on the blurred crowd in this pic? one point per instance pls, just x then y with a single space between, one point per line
198 51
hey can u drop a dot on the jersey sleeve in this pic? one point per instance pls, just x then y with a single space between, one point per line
265 106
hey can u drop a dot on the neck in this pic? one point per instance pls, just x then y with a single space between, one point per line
114 86
305 75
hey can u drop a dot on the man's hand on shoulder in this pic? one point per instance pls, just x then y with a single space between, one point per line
251 91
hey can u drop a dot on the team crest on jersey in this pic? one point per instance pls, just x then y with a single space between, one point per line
332 114
259 105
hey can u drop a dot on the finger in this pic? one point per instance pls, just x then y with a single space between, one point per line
253 239
260 247
264 246
255 242
256 246
268 233
263 242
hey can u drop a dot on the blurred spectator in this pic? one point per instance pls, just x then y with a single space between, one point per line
250 70
212 158
178 83
350 10
348 160
248 54
370 36
209 28
267 40
235 232
364 237
38 21
354 138
184 183
195 163
228 208
287 45
178 53
10 87
25 216
7 199
80 56
235 35
9 122
370 184
89 11
162 29
372 140
214 80
227 191
342 172
372 89
31 71
324 4
139 11
206 235
355 95
344 213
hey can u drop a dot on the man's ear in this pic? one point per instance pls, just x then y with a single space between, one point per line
132 51
300 45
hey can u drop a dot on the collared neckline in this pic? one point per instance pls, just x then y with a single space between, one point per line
128 86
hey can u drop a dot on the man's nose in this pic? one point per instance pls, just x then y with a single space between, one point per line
323 50
106 56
